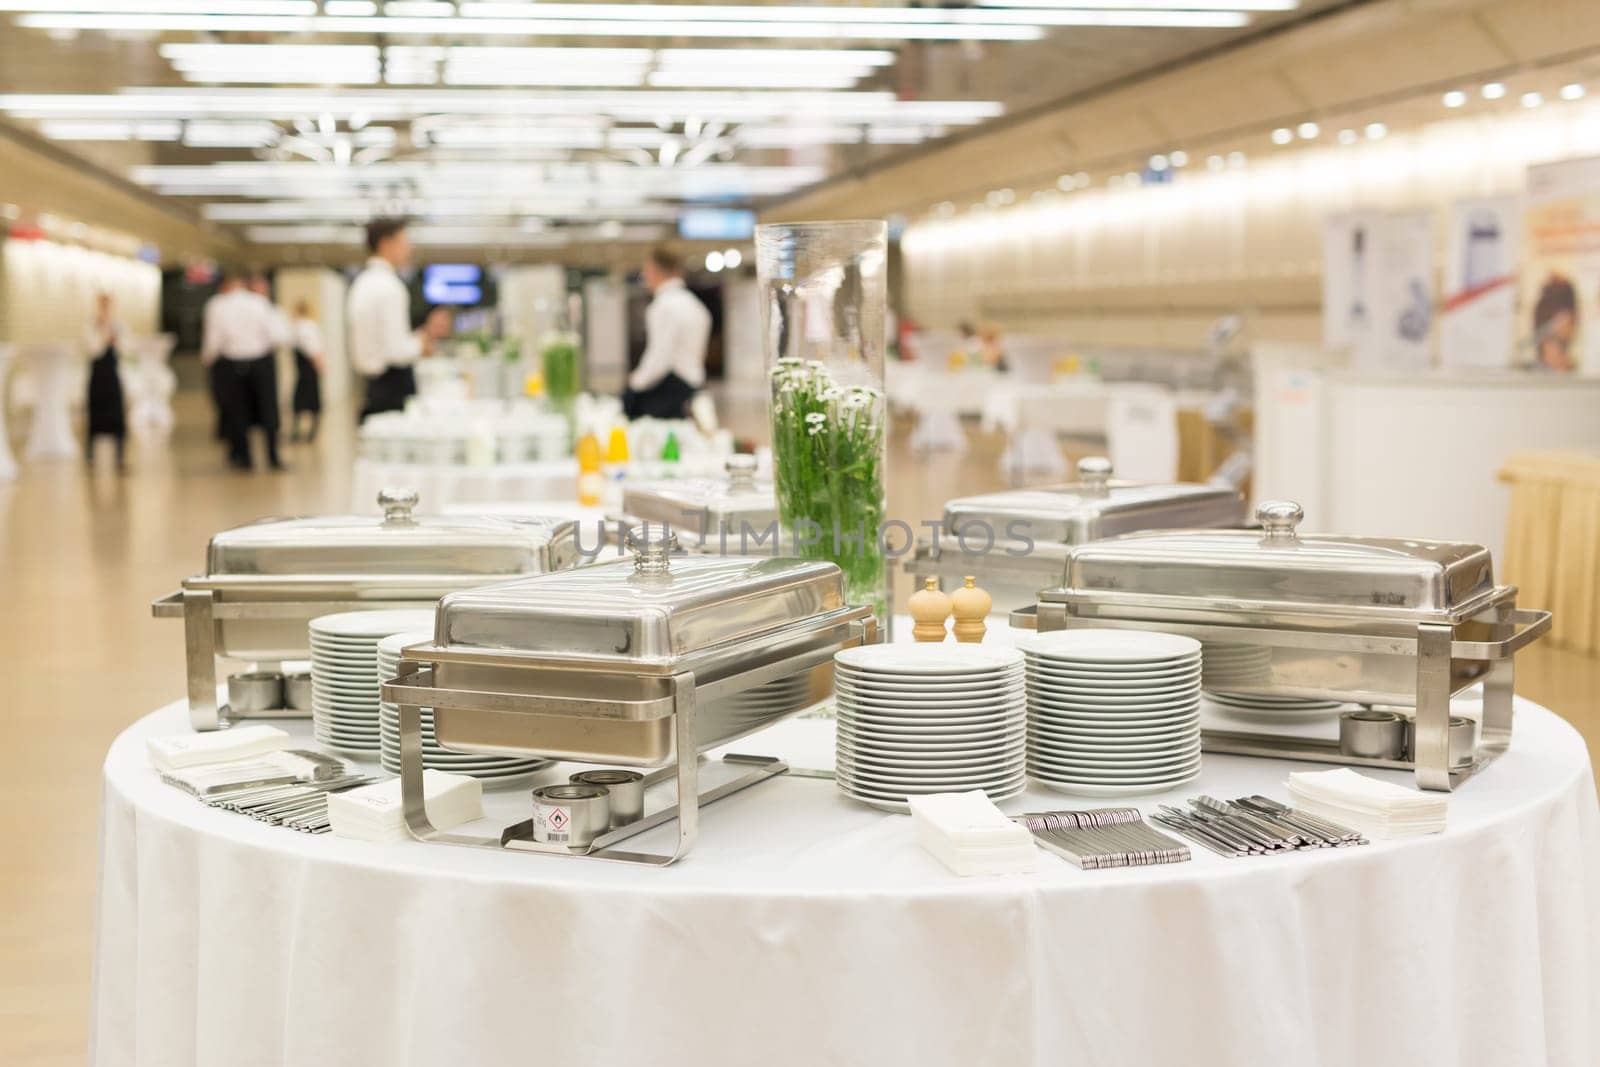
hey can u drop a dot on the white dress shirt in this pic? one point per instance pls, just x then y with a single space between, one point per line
94 338
308 337
676 327
380 321
241 325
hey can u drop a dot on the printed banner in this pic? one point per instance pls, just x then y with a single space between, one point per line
1560 319
1478 322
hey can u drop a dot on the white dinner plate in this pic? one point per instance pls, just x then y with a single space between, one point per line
1110 646
1002 790
1111 768
1084 789
1120 679
892 685
876 749
902 808
1124 695
934 707
893 715
1044 704
934 659
983 740
931 760
1109 749
374 625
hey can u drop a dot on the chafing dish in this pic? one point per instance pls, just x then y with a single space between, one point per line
265 581
1015 543
735 516
1364 620
630 663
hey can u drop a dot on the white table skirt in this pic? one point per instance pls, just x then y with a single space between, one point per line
805 929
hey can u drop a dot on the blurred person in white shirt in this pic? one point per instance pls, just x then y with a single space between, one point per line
383 347
107 411
306 336
677 327
240 341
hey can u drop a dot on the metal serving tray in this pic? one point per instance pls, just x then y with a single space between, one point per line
1362 620
1017 542
630 663
264 582
734 516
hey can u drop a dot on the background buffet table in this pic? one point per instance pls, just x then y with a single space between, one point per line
807 929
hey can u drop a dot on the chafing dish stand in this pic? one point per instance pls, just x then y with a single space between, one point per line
615 708
1432 603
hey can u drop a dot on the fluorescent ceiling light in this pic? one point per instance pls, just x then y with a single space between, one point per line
154 8
575 26
750 79
397 104
483 209
1494 90
230 134
1572 91
1455 98
92 130
1138 5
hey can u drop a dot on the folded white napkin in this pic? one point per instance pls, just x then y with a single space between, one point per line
189 750
968 834
1376 808
375 812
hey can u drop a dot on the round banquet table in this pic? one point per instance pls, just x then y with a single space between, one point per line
807 929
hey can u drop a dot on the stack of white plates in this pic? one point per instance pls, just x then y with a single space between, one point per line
1231 666
1258 708
492 769
934 718
344 674
1113 712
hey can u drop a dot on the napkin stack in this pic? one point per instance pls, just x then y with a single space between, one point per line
374 812
191 750
968 834
1377 809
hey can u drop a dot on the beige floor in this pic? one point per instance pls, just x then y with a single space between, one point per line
81 557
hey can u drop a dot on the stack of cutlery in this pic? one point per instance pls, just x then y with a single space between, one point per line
1253 826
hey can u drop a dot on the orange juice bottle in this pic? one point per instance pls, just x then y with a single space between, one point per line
591 482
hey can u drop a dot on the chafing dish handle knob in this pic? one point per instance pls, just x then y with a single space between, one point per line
741 471
651 554
1094 472
1278 519
397 505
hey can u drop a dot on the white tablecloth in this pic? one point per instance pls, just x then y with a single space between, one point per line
805 929
444 485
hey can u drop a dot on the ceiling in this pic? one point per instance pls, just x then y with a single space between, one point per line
529 127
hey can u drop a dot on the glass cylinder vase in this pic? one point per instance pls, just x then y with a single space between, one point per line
824 294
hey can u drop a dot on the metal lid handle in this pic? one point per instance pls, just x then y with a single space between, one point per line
1094 472
1278 519
398 505
651 555
741 471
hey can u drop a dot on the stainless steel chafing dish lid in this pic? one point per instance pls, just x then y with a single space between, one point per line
640 611
398 544
704 506
1094 507
1275 568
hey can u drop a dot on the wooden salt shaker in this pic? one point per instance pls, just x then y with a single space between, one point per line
929 607
971 606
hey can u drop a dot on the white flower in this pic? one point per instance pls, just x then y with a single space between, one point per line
816 418
817 366
790 363
815 429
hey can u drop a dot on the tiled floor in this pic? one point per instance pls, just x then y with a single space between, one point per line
81 557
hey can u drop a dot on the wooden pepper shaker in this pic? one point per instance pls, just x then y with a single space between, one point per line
971 606
929 607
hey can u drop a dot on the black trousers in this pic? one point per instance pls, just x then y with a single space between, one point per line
388 391
249 390
664 400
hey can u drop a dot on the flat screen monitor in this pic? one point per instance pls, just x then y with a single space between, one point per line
452 283
716 224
